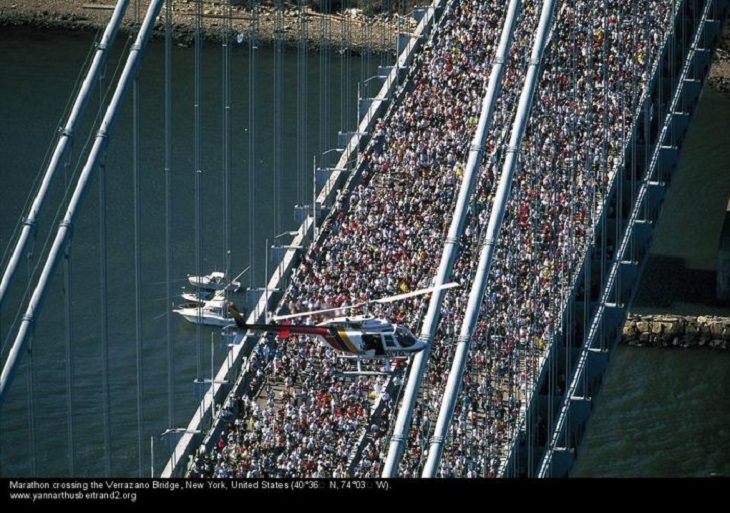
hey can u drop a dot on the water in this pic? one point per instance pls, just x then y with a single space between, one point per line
664 412
39 70
660 413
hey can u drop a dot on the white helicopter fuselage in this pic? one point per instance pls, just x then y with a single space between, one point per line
370 336
358 335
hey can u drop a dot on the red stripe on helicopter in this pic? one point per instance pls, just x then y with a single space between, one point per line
328 334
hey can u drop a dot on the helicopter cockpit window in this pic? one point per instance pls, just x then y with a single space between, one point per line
389 342
405 339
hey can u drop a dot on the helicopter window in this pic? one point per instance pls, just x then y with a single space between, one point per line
405 339
373 342
389 342
370 342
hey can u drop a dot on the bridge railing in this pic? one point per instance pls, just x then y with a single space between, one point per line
637 214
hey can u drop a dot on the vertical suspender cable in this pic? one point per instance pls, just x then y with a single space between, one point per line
344 70
30 387
384 35
667 73
343 35
658 110
103 319
368 40
103 301
648 107
633 135
604 157
252 47
66 135
69 328
198 172
348 74
491 237
677 25
137 256
226 50
324 96
278 47
471 172
302 106
69 359
130 69
301 102
593 194
362 49
620 172
168 215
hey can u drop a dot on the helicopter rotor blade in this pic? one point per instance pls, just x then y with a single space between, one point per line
383 300
234 279
316 312
406 295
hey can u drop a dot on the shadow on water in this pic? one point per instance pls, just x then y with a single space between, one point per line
667 280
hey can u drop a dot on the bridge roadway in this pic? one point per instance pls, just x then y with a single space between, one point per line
382 235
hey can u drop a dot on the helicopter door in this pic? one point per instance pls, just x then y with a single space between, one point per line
373 342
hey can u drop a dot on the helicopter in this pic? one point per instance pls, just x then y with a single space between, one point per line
361 336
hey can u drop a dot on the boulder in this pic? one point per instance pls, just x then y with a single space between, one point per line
629 329
676 331
656 327
704 329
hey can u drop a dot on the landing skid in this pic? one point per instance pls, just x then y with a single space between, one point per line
360 358
390 356
363 373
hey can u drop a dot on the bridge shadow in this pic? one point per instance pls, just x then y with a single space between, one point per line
667 280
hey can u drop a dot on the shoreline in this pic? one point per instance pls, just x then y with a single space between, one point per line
348 29
719 77
676 331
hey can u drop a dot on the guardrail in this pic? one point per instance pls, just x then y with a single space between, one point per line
615 270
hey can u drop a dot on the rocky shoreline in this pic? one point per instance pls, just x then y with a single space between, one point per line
719 78
677 331
350 28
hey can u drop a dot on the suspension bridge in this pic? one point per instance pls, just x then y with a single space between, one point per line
521 148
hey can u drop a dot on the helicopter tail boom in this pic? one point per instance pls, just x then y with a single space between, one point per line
337 339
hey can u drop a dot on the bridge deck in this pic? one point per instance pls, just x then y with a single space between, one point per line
384 234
